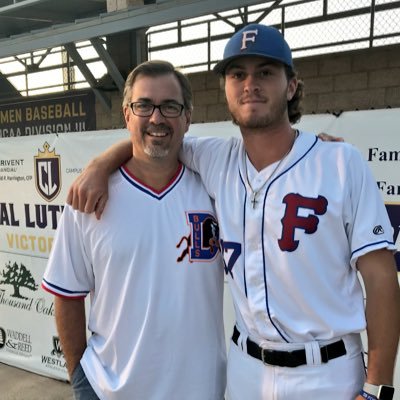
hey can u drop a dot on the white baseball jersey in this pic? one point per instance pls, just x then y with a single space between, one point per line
153 269
291 259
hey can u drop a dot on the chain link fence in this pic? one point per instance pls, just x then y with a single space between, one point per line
310 26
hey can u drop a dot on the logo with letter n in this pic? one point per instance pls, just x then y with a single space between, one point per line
48 173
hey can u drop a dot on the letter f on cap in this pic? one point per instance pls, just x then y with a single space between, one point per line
248 36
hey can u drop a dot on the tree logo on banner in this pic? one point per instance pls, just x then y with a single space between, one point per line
17 276
48 173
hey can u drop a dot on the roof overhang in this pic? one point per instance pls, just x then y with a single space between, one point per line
115 22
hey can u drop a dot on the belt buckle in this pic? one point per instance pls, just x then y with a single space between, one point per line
324 354
281 358
264 355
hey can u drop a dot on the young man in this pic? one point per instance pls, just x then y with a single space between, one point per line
151 265
296 228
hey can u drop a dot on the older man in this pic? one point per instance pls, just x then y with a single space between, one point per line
151 265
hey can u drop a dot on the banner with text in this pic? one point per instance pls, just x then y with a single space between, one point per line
35 173
72 112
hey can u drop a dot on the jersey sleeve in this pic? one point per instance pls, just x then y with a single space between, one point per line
69 273
366 219
208 156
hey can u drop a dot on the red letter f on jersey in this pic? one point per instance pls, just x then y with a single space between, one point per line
291 220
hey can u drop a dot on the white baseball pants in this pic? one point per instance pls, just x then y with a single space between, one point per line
339 379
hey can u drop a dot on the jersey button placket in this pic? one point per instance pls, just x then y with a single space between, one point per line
254 259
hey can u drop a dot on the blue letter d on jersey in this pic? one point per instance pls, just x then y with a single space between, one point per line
205 236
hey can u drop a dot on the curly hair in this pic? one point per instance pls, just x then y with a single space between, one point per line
295 109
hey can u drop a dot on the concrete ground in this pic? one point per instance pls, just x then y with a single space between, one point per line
17 384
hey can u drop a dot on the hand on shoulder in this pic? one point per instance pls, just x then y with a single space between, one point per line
325 137
89 192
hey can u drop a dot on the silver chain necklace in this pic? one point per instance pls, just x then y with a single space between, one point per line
254 193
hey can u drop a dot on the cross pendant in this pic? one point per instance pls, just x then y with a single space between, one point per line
254 200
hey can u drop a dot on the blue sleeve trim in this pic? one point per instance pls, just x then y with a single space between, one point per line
66 291
372 244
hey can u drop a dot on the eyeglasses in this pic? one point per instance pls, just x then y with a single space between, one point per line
169 110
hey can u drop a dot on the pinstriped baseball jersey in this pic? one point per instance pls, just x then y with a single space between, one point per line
153 269
291 259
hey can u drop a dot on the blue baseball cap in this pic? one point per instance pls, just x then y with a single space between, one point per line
256 40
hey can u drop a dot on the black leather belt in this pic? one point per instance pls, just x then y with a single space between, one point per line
293 358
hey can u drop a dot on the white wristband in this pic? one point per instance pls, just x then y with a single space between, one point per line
371 389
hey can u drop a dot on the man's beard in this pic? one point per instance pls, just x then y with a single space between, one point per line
150 146
155 151
263 121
